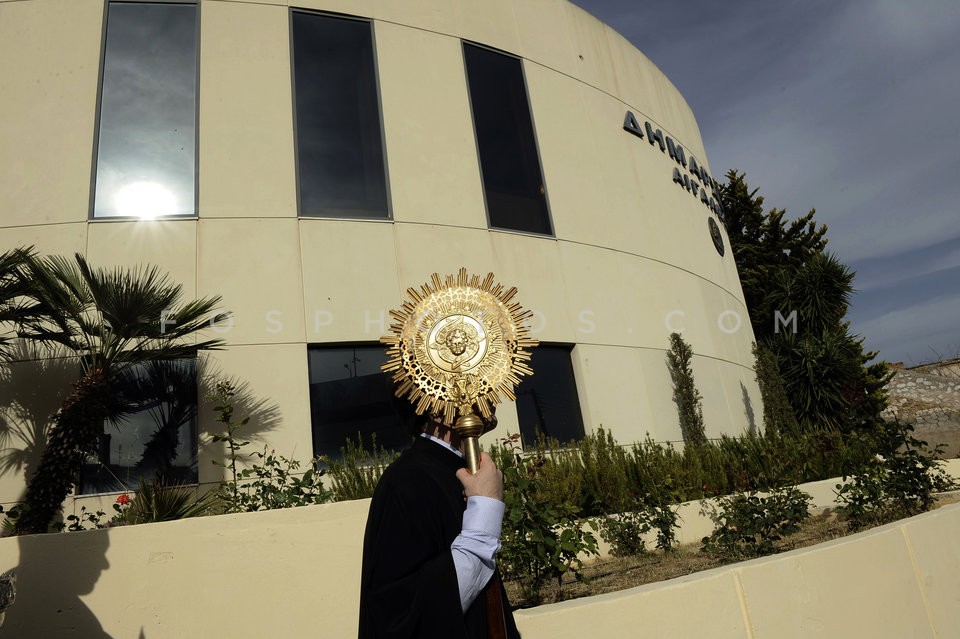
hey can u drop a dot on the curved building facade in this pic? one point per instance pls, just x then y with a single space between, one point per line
308 161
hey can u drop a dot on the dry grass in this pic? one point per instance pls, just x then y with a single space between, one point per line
619 573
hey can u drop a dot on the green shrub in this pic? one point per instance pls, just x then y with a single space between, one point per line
274 482
599 476
151 502
899 481
356 473
664 519
541 541
154 501
747 525
561 475
222 398
778 415
656 468
83 521
624 532
606 486
688 399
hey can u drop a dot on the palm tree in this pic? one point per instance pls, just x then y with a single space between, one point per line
823 365
112 321
14 306
167 391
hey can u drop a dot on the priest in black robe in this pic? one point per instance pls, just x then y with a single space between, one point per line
428 549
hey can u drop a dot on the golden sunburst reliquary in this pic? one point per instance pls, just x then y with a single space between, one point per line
458 346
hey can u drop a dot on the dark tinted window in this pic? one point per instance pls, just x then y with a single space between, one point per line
146 160
339 146
547 401
157 438
512 180
350 396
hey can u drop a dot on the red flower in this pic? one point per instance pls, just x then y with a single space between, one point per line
123 500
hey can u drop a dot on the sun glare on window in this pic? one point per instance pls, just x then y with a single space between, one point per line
145 200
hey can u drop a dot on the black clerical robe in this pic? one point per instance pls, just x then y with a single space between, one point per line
408 585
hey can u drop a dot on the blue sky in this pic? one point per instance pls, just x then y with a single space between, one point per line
851 108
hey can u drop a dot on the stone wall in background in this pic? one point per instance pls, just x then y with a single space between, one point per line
928 396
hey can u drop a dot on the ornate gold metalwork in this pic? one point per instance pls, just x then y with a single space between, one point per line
458 345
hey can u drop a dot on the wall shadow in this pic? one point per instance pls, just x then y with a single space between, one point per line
748 410
31 391
264 415
48 600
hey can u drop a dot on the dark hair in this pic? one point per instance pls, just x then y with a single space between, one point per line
406 415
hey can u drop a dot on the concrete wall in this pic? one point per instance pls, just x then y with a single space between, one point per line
900 580
630 245
288 573
295 573
695 517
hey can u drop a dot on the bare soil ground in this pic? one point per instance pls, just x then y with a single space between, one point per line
619 573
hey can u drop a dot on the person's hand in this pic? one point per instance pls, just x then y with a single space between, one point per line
488 482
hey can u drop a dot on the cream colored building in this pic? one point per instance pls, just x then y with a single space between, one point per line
612 248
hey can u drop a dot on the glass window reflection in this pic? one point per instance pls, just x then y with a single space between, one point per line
339 143
351 396
155 437
547 401
146 147
512 180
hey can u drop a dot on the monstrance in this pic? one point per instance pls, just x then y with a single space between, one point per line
458 347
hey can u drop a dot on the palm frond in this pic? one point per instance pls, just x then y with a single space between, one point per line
115 317
15 304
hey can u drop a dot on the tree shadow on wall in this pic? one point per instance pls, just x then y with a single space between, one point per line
31 391
156 419
173 397
56 570
748 410
166 423
166 391
264 415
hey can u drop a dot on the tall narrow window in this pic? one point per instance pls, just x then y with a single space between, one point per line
351 397
339 144
512 179
156 436
146 145
547 402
